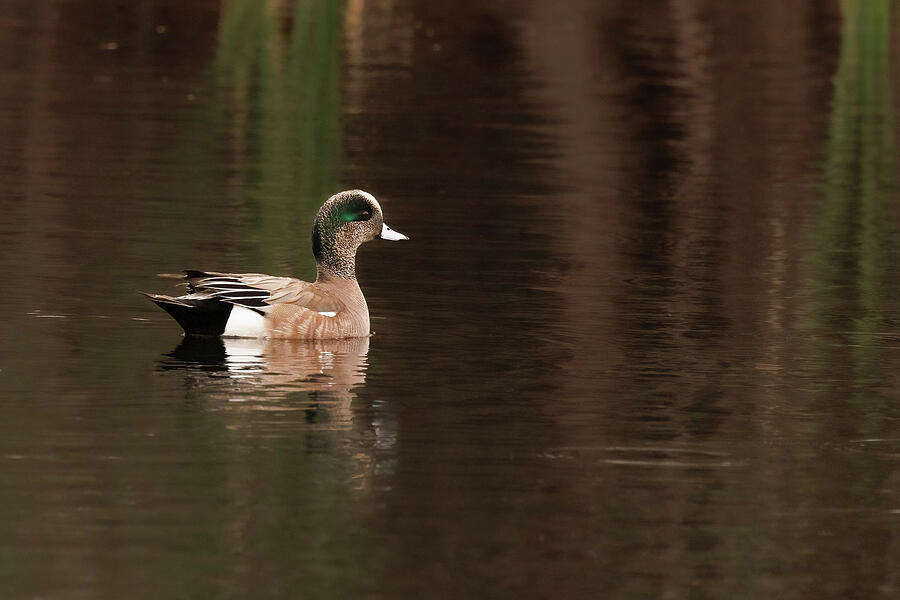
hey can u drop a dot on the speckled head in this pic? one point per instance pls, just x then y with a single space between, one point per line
347 220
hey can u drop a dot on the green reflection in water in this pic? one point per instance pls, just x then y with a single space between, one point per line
279 68
855 244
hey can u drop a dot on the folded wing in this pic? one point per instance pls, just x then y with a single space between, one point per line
260 292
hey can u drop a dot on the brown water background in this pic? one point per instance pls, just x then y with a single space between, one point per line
644 342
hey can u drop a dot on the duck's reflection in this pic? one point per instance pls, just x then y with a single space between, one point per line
315 376
292 398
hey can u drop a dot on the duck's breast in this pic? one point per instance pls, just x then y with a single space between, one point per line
301 323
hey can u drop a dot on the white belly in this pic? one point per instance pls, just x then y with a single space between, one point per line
246 323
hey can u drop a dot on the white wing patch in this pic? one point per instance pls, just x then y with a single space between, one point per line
326 313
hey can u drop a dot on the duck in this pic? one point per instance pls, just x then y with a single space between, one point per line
255 305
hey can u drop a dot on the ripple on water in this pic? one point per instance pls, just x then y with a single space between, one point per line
660 457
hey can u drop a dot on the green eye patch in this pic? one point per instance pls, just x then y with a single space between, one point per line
356 210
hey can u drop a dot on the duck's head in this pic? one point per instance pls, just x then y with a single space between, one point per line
345 221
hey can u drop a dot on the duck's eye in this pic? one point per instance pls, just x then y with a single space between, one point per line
364 216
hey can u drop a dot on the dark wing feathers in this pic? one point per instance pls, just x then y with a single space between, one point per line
228 288
258 291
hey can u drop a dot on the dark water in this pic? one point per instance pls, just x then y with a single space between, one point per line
644 342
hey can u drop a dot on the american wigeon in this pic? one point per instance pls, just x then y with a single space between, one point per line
264 306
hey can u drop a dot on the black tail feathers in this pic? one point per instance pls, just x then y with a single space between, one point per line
206 316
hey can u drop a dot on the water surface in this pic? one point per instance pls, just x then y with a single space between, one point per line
643 342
